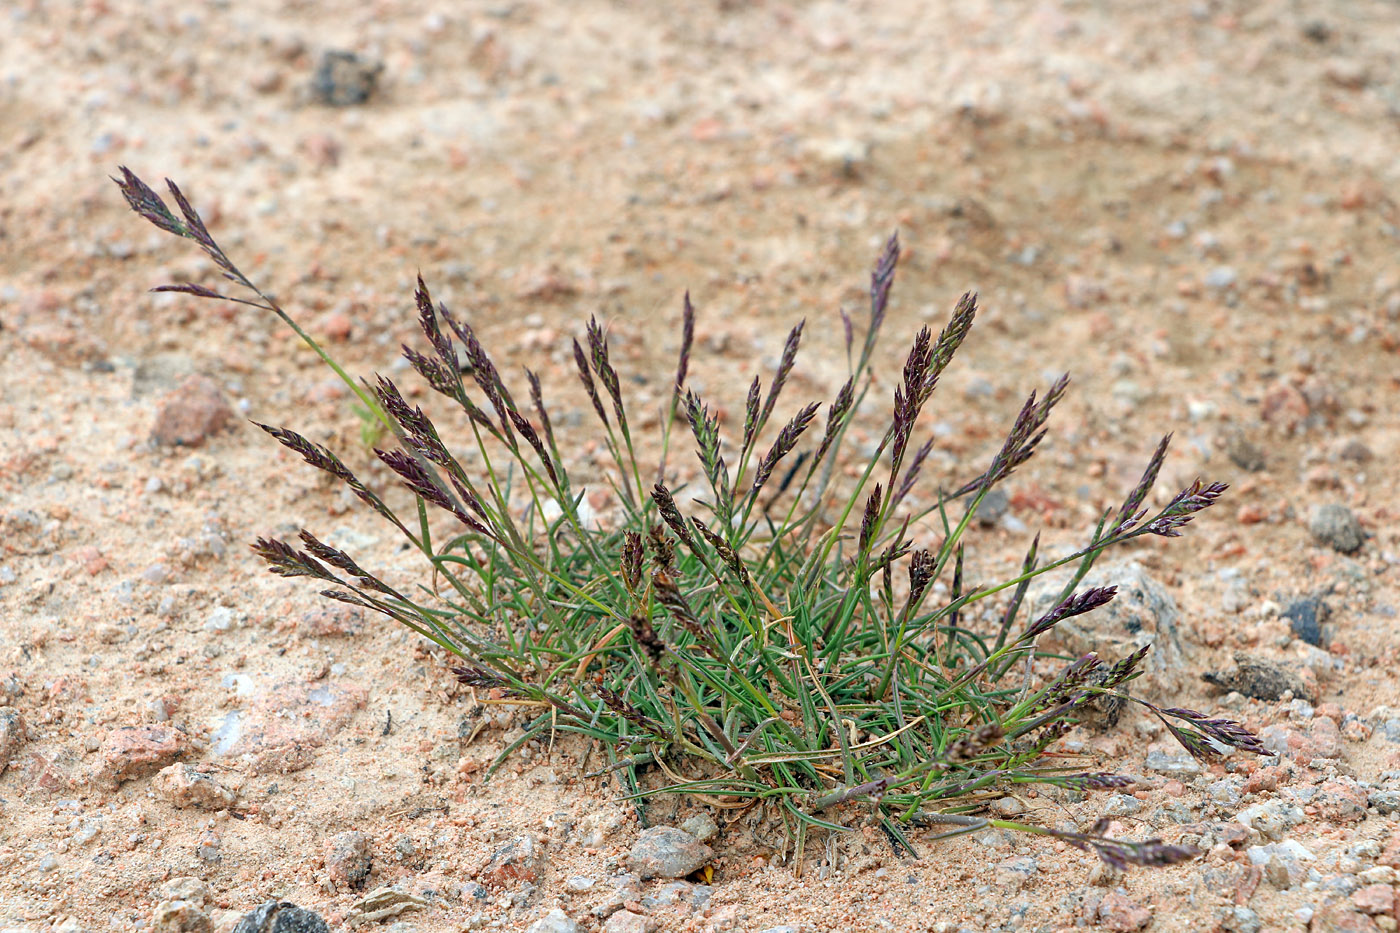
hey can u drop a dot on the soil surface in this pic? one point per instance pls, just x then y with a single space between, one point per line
1187 206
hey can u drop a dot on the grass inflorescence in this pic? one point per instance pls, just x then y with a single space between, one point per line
777 636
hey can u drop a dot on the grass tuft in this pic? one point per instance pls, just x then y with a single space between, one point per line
758 654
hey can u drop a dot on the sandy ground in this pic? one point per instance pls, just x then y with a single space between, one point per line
1188 206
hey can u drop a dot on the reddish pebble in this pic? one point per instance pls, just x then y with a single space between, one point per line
1117 912
132 751
1375 899
191 413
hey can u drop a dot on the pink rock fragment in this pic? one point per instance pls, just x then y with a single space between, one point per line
191 413
1119 913
132 751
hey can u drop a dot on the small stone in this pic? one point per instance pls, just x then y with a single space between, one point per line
1221 278
1305 618
1143 613
1118 913
556 921
1271 819
993 506
132 751
1335 526
577 884
668 852
186 888
625 921
383 903
1006 807
183 786
348 860
191 413
1016 873
180 917
1121 805
702 826
1338 917
1276 873
12 734
1240 919
1339 802
519 860
344 79
281 917
1375 899
1260 678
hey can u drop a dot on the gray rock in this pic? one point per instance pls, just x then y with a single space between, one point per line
1015 873
1121 805
556 921
12 734
1305 617
1335 526
281 917
344 79
993 506
702 826
1259 678
1142 613
1239 919
668 852
1221 277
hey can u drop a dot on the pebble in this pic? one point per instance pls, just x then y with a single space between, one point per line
1375 899
579 883
13 733
625 921
556 921
180 917
1016 873
348 860
1335 526
132 751
281 917
1305 618
1271 819
1221 277
1142 613
344 79
1240 919
668 852
1121 805
1260 678
182 786
520 860
1122 915
702 826
190 414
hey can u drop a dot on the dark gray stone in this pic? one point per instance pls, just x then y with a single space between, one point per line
1305 617
281 917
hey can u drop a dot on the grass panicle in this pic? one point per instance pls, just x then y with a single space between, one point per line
828 657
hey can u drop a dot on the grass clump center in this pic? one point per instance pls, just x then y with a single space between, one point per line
776 637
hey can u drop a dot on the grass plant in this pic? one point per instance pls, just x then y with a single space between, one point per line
776 637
